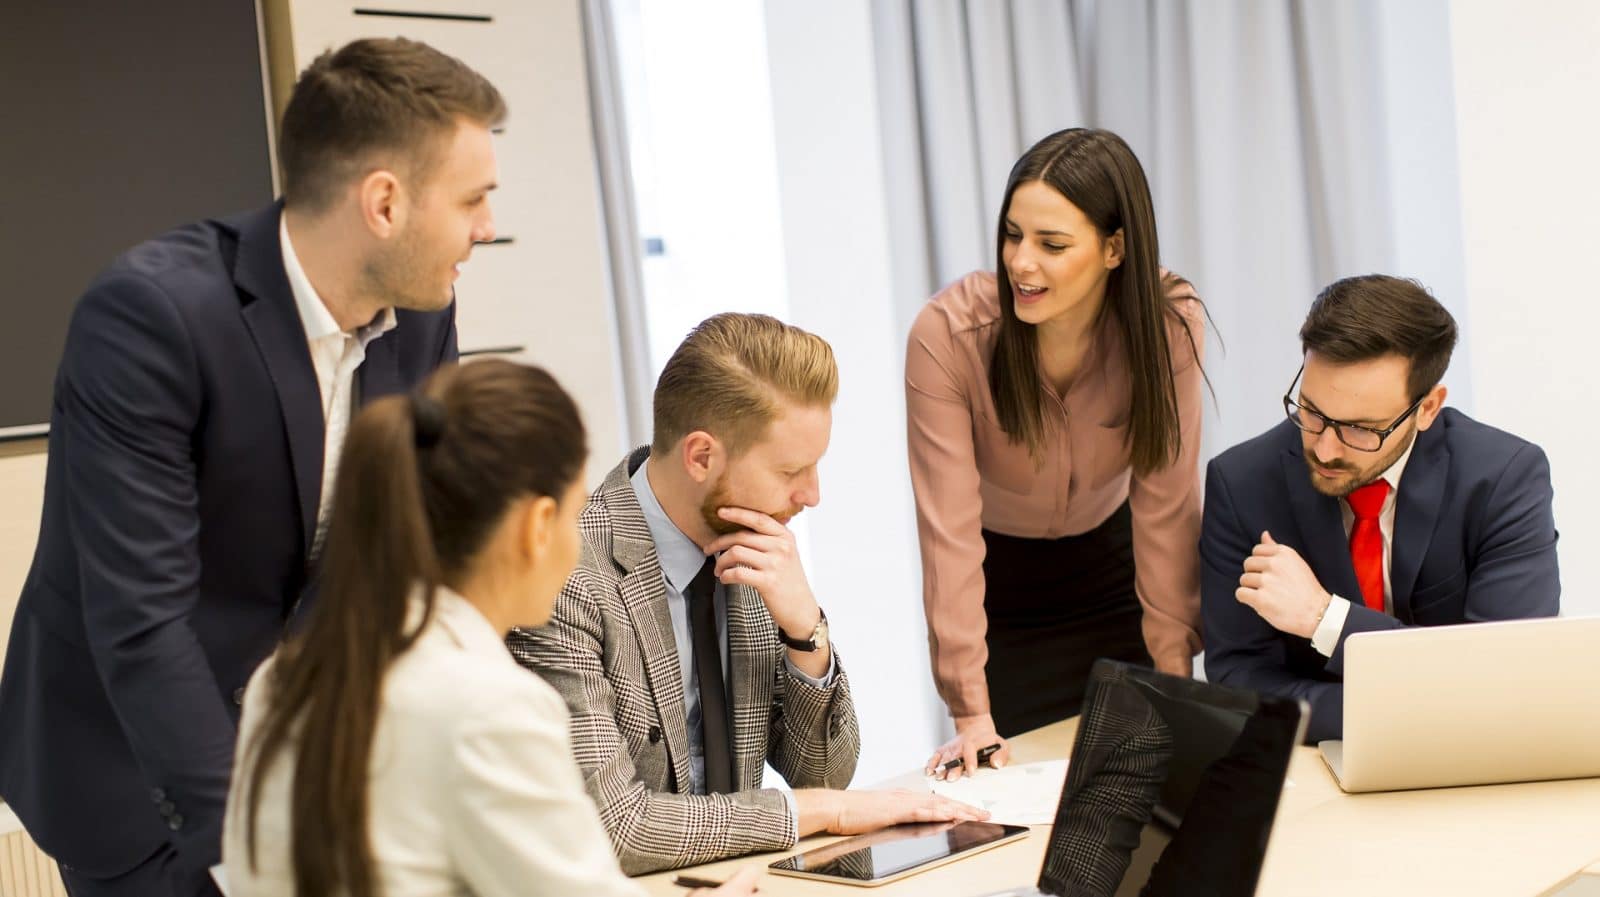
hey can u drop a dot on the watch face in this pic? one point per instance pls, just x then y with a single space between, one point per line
819 636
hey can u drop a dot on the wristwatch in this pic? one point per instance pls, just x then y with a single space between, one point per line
817 640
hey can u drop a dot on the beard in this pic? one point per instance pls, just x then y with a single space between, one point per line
399 274
721 496
1360 475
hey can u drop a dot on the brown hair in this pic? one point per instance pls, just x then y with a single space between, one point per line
423 482
1097 172
373 98
1367 317
726 375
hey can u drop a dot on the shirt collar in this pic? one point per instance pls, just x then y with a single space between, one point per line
680 558
314 315
1392 475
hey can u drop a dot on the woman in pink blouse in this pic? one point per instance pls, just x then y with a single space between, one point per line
1053 413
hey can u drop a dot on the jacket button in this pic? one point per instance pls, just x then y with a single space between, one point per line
167 807
157 795
175 821
238 697
655 734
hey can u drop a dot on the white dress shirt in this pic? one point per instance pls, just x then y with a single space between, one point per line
681 560
1326 638
473 786
335 355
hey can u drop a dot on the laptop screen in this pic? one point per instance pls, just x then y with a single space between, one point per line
1172 787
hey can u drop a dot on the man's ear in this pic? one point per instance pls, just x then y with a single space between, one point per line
702 456
1432 404
382 211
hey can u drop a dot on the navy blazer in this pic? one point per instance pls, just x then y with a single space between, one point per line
181 492
1474 540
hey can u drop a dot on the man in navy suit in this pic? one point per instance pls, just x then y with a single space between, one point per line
1372 507
202 397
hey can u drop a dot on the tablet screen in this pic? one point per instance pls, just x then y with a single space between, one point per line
896 850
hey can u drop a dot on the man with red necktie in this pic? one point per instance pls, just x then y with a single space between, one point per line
1372 507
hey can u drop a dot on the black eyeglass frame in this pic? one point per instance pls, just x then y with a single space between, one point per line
1291 407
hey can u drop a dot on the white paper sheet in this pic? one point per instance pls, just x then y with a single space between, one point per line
1016 795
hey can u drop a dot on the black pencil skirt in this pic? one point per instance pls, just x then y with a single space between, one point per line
1054 607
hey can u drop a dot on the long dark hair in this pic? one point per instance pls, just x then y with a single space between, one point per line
1097 172
423 481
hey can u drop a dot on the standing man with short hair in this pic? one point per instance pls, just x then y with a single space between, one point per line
201 402
688 644
1372 507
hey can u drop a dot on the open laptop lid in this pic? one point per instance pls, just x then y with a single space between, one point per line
1172 787
1510 690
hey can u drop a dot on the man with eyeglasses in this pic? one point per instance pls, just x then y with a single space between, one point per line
1372 507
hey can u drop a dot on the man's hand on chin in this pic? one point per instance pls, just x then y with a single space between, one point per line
764 556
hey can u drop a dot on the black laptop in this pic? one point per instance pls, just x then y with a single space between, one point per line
1171 789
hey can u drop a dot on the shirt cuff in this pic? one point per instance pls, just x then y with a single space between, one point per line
794 814
827 678
1326 638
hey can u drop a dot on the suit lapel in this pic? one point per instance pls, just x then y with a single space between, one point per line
751 669
274 324
1416 511
644 593
1321 529
379 374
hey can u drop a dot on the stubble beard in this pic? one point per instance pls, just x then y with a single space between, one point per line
721 496
1371 475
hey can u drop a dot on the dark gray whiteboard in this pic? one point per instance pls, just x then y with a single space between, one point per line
118 120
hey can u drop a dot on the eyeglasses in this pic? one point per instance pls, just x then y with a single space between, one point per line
1362 439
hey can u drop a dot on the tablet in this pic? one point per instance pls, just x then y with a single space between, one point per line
896 852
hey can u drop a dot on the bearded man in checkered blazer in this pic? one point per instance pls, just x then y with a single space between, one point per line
687 644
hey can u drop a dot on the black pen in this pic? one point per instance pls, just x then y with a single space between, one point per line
689 881
983 757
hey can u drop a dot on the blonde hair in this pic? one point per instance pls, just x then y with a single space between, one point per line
728 376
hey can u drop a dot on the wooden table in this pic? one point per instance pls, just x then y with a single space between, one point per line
1496 841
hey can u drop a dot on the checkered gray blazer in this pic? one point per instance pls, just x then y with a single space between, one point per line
609 651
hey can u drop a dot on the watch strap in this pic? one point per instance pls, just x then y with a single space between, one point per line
809 643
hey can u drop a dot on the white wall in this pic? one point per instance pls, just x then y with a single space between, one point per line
862 537
1527 87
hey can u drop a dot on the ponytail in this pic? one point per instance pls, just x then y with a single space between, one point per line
327 685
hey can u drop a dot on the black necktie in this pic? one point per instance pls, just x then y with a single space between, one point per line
708 676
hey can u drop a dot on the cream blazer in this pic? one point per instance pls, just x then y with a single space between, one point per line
473 790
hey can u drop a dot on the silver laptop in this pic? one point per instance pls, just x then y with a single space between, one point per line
1474 704
1172 788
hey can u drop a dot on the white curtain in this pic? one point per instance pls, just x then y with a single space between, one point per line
1262 126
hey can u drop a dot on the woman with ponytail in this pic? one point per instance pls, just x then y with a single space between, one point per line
393 747
1053 408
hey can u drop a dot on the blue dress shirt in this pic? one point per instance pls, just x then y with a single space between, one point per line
680 560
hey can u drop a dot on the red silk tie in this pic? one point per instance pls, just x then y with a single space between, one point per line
1366 540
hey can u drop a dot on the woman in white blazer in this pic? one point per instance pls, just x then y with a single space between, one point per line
393 747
